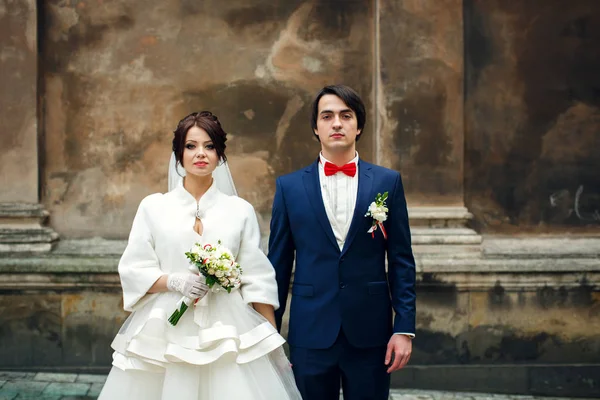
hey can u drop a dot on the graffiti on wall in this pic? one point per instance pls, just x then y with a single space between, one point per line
583 206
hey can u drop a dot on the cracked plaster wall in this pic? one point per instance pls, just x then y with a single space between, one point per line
499 120
119 75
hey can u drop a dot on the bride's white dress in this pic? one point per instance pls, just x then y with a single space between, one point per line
221 348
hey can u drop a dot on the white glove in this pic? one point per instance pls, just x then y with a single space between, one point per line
189 285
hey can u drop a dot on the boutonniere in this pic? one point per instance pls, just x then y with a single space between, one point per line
378 211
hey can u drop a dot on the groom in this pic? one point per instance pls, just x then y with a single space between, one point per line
342 295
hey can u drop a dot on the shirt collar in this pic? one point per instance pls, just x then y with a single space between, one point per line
324 160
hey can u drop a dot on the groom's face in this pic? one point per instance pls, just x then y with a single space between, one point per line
336 124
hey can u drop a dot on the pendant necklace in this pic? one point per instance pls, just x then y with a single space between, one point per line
198 214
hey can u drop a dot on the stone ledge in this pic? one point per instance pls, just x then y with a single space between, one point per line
108 264
499 254
93 247
49 281
419 230
93 263
469 281
102 275
96 255
542 247
26 248
517 282
446 239
446 251
522 266
439 242
439 217
438 213
22 210
27 235
59 265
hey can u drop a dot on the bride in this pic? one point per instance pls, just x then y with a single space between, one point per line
226 346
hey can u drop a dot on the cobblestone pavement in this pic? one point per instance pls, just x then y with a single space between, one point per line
54 386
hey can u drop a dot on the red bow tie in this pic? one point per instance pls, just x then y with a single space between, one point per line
348 169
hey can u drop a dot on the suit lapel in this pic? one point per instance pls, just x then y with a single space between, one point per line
365 183
313 190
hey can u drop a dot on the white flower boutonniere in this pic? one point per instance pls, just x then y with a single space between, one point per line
378 211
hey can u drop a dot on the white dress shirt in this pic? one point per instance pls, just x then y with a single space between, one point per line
339 197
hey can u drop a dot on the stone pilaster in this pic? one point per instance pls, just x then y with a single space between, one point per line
21 215
419 119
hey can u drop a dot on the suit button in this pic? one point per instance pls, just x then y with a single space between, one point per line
342 285
343 259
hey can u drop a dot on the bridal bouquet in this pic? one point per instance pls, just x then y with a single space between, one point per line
218 265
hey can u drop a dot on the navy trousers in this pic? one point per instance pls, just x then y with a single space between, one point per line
361 372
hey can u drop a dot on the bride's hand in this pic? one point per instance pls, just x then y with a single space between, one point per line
189 285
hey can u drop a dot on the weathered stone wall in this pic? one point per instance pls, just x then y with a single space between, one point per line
115 78
111 104
18 102
532 112
118 76
75 328
484 326
59 329
546 325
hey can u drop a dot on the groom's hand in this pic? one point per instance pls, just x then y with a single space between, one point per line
400 347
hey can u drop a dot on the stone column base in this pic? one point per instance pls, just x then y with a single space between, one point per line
443 231
22 230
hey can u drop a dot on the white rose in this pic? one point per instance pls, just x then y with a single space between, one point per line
380 216
211 271
219 274
373 207
225 282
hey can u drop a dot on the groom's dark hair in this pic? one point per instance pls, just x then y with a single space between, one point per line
349 97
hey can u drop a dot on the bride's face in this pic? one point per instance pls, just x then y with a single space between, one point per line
199 154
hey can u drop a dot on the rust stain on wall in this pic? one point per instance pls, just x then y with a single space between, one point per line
70 303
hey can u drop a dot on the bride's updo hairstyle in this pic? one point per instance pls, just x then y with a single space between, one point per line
204 120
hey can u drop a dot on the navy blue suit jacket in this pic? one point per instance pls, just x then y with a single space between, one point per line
347 289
